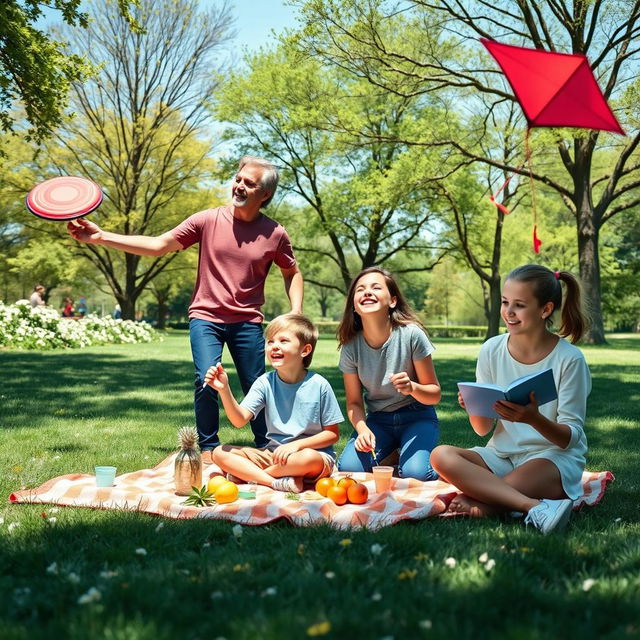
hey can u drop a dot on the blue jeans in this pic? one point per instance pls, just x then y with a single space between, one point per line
246 346
414 429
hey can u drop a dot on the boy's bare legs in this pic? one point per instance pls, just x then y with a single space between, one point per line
486 494
231 460
305 463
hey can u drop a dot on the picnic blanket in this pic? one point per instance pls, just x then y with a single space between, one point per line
152 491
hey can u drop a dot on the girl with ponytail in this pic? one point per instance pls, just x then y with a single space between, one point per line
534 461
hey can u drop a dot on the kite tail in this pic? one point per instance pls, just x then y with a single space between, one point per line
527 155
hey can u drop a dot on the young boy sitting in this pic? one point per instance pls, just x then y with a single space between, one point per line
301 412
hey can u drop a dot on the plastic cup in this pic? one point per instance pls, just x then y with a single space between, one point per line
105 476
382 478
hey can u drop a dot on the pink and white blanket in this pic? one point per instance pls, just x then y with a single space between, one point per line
152 491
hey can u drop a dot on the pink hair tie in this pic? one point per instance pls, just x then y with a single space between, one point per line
557 275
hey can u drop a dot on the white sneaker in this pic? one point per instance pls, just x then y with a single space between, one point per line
549 515
287 483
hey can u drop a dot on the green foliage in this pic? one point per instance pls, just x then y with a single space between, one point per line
36 70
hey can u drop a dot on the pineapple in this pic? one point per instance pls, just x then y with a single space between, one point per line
188 469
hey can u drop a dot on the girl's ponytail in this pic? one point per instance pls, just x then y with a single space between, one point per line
574 320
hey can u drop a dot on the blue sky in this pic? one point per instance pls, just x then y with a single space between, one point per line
255 20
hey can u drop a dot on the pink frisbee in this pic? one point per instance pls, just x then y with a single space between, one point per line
64 198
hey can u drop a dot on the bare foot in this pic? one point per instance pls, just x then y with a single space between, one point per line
207 456
464 505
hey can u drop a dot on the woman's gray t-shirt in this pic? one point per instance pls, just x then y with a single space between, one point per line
405 345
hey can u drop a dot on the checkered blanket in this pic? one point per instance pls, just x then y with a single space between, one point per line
152 491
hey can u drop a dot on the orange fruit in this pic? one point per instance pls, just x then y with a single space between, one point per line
357 493
346 482
215 482
323 485
228 492
337 494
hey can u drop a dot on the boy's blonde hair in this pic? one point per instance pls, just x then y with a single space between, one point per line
300 326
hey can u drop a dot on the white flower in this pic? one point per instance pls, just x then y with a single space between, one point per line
141 551
450 562
12 525
330 575
54 510
108 574
376 597
53 568
93 595
237 530
160 525
587 584
52 520
490 564
376 549
73 578
425 624
483 558
269 591
1 520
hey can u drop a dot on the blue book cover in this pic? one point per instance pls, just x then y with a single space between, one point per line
479 397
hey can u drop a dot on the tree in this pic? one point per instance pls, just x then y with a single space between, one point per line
139 127
599 175
370 201
35 70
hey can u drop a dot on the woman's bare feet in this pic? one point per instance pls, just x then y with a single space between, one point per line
464 505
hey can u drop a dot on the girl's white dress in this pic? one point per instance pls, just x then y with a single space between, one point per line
516 442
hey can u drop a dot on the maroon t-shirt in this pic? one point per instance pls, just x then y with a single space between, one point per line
235 258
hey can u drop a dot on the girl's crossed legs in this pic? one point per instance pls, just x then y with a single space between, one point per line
484 493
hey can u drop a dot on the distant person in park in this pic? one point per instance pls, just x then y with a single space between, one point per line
117 312
82 307
300 407
534 461
36 299
68 310
238 244
385 352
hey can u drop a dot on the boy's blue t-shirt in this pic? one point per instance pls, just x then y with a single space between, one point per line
294 411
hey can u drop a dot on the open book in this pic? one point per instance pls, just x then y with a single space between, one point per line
479 396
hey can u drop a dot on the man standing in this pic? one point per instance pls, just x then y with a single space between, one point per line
238 244
36 297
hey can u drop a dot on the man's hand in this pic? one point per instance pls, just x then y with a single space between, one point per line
217 377
281 454
84 231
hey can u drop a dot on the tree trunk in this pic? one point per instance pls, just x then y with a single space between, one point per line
162 313
495 301
589 259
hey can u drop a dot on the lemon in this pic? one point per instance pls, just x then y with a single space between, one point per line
215 482
227 492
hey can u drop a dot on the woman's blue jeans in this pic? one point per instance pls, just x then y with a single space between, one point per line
413 429
246 346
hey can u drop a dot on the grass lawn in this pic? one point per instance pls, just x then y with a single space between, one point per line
65 411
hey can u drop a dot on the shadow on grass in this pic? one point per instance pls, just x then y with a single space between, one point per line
277 582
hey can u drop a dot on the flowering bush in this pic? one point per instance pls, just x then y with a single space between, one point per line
24 327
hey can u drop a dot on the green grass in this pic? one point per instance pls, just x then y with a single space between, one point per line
62 412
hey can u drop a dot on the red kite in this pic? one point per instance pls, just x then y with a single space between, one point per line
554 90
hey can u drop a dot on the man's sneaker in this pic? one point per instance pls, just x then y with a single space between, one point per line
288 484
549 515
